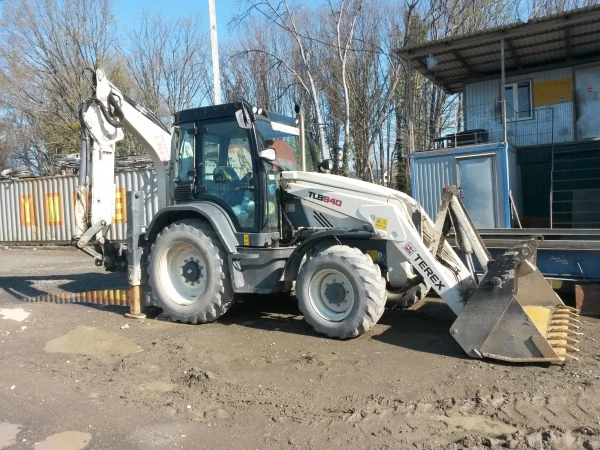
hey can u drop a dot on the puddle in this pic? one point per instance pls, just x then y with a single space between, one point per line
92 342
8 434
479 424
158 386
67 440
17 314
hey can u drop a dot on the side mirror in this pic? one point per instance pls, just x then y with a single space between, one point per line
268 154
326 164
243 118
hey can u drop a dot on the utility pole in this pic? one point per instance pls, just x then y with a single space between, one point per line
214 45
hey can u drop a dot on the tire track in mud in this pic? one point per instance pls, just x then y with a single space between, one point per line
225 389
216 399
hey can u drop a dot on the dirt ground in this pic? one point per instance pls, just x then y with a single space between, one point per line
81 376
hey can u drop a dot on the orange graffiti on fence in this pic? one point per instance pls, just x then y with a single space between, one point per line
54 213
26 207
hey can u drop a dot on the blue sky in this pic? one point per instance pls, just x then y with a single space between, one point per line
127 10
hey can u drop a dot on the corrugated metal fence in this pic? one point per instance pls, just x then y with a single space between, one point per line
41 210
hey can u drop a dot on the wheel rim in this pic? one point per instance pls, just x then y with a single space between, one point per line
183 273
331 295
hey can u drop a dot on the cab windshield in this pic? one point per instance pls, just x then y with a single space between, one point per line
284 138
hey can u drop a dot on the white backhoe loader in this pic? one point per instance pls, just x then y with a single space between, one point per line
238 216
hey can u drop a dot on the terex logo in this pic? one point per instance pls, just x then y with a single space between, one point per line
432 276
408 248
324 198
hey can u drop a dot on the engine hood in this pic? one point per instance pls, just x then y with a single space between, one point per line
350 184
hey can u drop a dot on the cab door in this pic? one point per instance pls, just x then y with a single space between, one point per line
225 171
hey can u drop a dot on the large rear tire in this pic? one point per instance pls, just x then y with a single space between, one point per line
189 274
341 292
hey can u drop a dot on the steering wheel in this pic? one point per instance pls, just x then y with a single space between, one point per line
246 178
244 182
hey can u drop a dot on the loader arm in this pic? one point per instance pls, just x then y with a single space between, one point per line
103 118
390 220
511 314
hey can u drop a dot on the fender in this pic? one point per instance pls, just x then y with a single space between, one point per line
212 213
292 266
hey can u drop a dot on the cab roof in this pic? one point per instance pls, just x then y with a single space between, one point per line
226 110
207 112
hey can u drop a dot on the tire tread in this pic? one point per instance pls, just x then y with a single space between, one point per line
223 297
373 283
408 298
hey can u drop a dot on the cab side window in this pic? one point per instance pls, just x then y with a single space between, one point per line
185 156
225 171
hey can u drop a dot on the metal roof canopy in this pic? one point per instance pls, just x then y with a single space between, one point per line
568 37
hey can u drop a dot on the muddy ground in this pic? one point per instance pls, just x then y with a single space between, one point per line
75 376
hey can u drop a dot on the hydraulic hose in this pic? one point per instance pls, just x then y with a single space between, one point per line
116 120
83 162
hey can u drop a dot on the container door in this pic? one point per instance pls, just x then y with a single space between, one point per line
587 101
476 178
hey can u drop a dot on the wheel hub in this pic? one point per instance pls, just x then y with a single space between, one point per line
191 271
332 294
335 293
184 272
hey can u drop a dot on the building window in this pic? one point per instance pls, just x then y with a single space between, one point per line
518 101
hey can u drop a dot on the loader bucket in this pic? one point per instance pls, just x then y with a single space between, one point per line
514 315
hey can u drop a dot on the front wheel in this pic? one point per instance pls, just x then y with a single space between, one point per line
341 292
189 274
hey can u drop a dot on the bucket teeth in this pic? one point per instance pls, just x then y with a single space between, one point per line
564 315
562 328
571 357
562 344
571 330
560 321
567 308
562 336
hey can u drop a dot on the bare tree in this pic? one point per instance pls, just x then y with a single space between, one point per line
540 8
44 47
253 71
345 17
334 59
373 79
169 62
281 15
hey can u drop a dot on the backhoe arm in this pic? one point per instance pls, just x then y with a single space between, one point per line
103 118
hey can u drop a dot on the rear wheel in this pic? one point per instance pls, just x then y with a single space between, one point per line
341 292
188 273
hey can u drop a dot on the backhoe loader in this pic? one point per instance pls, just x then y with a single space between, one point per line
246 207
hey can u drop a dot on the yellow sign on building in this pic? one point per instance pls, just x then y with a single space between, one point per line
552 92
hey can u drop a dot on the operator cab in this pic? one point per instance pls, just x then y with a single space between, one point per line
231 155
